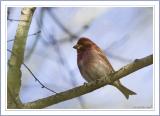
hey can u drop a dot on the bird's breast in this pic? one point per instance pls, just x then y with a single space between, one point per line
93 67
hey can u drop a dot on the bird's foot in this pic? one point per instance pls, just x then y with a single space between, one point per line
85 84
108 80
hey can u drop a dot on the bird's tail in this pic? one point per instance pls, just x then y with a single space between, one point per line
126 92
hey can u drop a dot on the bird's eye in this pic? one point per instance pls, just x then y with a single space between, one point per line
78 46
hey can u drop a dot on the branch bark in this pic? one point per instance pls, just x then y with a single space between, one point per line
89 87
15 62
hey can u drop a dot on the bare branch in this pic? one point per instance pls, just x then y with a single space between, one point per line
17 20
54 17
89 87
42 85
36 33
15 62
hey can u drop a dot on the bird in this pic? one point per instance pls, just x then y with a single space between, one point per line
93 64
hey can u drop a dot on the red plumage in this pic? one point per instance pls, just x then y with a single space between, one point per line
93 64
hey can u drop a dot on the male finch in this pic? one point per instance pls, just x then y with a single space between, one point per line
93 64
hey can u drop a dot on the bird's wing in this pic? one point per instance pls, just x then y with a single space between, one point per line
103 56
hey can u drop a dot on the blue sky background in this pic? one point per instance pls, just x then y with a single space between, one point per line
124 34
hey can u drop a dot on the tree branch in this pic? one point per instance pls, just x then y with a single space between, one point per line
89 87
52 14
36 79
36 33
15 62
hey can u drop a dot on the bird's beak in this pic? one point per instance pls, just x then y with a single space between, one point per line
76 46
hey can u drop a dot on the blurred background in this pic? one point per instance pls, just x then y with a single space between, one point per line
124 33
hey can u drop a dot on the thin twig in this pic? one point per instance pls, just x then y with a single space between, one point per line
91 86
43 86
36 33
16 20
39 23
65 39
15 62
54 17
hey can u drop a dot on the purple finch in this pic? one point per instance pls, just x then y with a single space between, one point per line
93 64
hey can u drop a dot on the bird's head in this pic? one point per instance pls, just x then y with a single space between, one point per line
84 44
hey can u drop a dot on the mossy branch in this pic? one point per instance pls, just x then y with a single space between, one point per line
15 62
89 87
